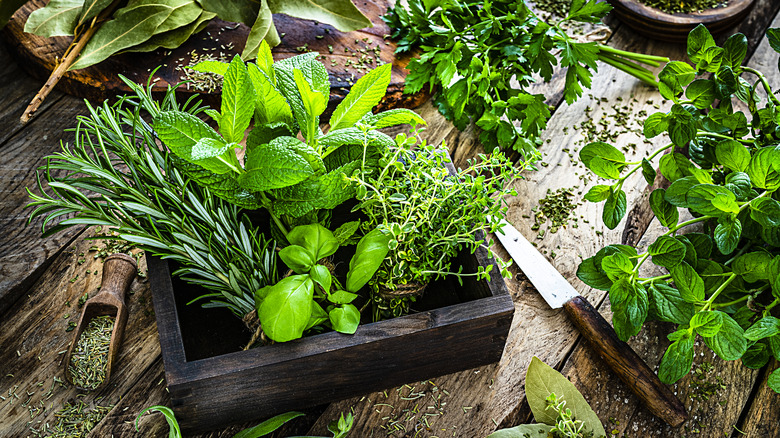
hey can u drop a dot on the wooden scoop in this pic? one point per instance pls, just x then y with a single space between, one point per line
118 272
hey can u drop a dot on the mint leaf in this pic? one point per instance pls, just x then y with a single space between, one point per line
667 252
735 50
677 360
181 131
677 192
363 96
727 234
648 171
617 266
614 209
701 92
675 166
324 192
598 193
314 102
655 125
761 170
688 282
237 101
393 117
765 211
630 304
765 327
666 213
699 40
732 155
270 104
753 266
216 67
729 343
673 77
214 155
707 323
603 159
774 379
666 304
711 200
273 166
314 73
591 274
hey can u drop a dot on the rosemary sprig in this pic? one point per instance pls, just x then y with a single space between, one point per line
116 175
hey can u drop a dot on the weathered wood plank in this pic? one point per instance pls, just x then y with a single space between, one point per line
23 253
35 339
762 417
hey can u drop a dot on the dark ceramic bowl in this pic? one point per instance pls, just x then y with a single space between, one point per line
656 24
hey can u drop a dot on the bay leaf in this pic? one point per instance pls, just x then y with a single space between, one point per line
263 29
91 9
58 18
239 11
541 380
539 430
176 37
132 28
182 12
341 14
7 9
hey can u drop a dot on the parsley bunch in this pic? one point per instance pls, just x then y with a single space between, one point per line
723 283
472 49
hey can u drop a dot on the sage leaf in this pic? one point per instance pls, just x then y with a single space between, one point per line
363 96
541 380
369 254
285 309
132 28
341 14
57 18
345 319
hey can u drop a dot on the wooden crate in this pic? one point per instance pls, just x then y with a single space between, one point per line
468 330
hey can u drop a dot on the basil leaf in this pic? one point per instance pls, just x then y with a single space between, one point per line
677 360
688 282
701 92
321 275
667 252
297 258
369 255
345 319
341 297
318 240
285 309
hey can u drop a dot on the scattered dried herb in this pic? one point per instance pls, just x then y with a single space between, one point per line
74 420
557 207
684 6
90 356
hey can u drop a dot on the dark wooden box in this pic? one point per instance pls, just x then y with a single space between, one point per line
464 327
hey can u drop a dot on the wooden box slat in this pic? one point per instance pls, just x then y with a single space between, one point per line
254 384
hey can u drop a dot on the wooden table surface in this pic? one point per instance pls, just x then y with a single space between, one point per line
41 281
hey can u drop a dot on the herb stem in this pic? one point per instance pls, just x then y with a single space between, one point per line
724 137
731 303
652 60
654 279
764 82
708 303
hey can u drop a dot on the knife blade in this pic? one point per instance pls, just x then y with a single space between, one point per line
621 358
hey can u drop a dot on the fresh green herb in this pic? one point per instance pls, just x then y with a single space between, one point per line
294 180
90 355
295 304
137 189
340 428
560 409
430 215
723 283
684 6
472 50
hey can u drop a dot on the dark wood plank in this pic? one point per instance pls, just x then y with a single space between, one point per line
763 413
23 254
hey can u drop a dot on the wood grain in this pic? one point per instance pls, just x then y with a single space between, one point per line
339 51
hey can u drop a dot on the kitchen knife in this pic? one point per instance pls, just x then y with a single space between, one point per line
620 357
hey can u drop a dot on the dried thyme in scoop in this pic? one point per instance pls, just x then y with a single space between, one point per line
90 357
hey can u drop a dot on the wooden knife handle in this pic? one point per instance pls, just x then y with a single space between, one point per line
624 361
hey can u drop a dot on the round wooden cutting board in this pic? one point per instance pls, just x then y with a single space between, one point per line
341 53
